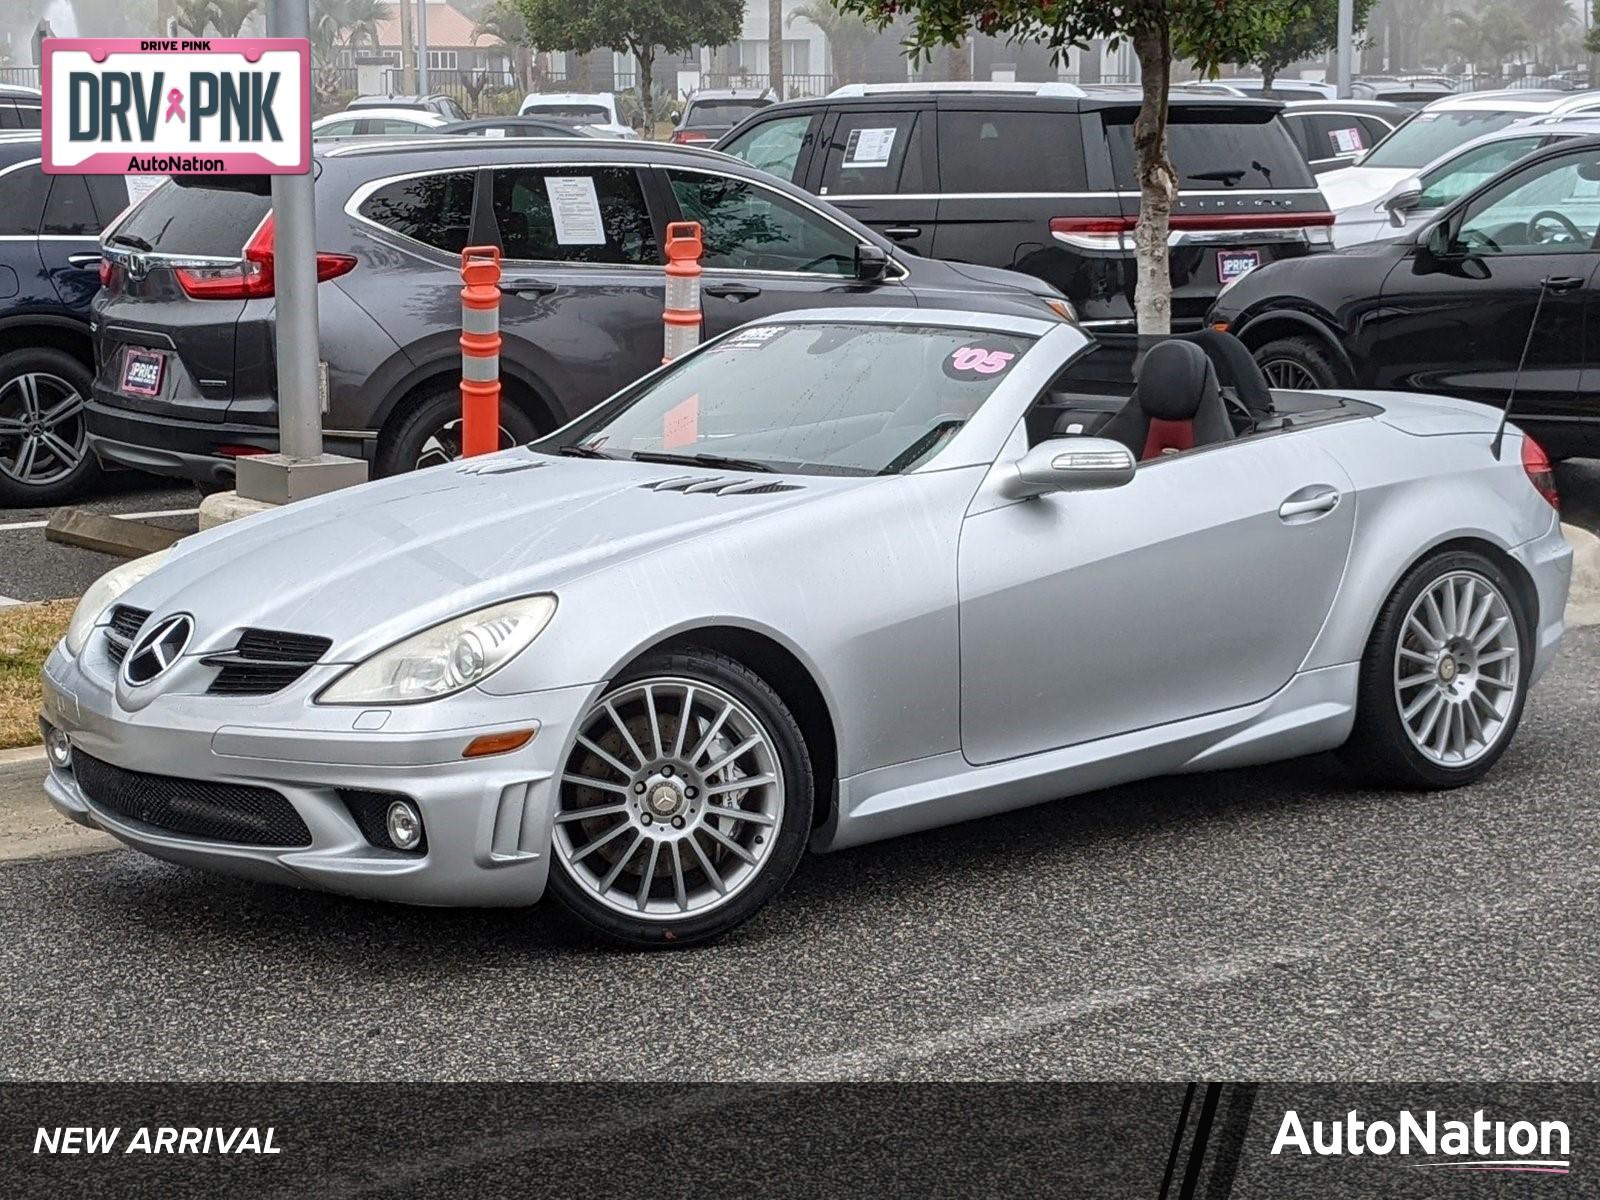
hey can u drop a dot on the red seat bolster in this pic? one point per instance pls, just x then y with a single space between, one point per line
1167 435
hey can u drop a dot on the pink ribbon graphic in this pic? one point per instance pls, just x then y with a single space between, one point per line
175 105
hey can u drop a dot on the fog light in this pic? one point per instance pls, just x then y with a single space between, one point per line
405 826
58 748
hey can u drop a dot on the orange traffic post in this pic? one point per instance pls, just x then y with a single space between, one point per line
682 317
480 350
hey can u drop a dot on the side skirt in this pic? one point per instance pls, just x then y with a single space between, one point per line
1313 712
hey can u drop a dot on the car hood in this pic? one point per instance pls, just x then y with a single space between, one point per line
372 563
1352 187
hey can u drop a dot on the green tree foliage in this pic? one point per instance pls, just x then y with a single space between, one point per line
644 28
1208 33
1311 33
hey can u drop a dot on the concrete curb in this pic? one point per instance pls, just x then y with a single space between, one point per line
222 507
29 827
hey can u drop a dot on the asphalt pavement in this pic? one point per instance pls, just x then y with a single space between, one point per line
1274 924
32 568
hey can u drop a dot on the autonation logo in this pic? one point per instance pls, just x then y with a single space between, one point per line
1476 1145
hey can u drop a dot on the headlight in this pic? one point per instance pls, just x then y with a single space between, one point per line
445 659
102 592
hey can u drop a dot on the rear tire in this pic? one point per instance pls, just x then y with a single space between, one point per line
1444 677
44 444
675 853
428 433
1298 364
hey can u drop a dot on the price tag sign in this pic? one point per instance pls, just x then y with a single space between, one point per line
169 106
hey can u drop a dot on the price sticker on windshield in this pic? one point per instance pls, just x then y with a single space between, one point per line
978 362
170 106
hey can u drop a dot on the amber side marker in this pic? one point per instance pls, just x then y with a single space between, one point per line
499 743
1220 326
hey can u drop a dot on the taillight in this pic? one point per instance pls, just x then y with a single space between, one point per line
1108 232
688 137
1092 233
105 272
252 277
1540 473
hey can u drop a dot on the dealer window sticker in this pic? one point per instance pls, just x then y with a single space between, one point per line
869 147
575 210
1345 141
978 362
750 339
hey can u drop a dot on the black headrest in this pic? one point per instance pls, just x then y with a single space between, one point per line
1175 379
1236 368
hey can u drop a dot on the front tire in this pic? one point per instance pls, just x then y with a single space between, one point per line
1444 677
685 803
44 439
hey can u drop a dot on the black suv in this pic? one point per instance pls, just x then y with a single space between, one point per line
1448 307
20 107
1040 178
49 263
184 328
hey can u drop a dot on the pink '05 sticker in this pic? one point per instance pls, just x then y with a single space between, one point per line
977 360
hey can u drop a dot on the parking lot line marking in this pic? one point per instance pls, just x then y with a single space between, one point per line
7 602
138 516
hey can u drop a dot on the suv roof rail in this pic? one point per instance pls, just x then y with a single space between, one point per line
409 143
1023 89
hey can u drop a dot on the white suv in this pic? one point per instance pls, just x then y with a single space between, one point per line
598 110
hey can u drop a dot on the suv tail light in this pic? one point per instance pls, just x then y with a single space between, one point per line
1540 473
105 272
252 276
1107 233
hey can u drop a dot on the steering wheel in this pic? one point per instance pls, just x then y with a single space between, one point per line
1567 227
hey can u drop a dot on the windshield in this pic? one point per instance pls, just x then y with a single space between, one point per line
825 398
1429 134
577 112
721 112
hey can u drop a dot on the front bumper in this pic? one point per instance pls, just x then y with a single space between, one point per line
487 820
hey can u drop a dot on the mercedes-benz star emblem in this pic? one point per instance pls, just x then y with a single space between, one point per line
161 646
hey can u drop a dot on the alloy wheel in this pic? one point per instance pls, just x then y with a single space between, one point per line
1457 669
43 433
443 445
1285 374
671 800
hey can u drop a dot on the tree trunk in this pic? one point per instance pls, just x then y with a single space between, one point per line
1268 74
1158 185
775 47
646 56
408 53
958 61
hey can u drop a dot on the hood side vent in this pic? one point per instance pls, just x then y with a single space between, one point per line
497 468
693 485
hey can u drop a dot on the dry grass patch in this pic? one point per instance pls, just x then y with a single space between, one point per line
28 632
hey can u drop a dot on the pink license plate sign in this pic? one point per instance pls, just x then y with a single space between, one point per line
169 106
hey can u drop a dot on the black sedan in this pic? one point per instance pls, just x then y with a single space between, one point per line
1449 306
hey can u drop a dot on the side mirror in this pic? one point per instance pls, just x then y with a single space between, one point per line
1402 201
1437 242
872 263
1077 464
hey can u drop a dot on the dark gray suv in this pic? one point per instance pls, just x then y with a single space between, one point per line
183 328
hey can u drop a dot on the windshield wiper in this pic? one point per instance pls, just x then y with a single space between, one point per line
131 239
703 460
577 451
1226 178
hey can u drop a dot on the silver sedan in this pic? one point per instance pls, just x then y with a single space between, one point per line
833 577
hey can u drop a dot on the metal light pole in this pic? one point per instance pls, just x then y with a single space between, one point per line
300 468
422 47
1346 44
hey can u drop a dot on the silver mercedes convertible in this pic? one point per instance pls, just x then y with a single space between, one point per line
831 578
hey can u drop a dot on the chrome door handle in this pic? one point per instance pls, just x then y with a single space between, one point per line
1322 502
84 260
527 288
901 232
732 291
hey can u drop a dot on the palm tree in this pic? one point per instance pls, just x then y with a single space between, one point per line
361 21
775 47
231 16
504 20
848 37
193 16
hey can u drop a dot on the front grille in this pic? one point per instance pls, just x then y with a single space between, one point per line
371 812
264 661
124 626
221 812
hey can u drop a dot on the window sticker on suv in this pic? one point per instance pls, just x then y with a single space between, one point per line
870 147
575 210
